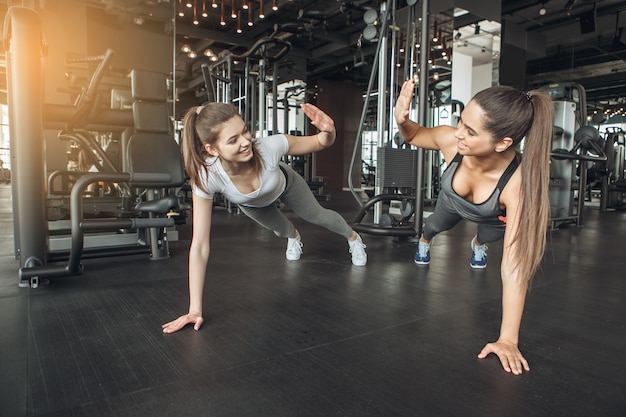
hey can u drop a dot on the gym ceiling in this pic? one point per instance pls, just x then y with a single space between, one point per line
581 41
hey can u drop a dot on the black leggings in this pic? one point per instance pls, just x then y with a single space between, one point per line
444 218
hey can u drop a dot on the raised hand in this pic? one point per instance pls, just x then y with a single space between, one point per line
318 118
403 103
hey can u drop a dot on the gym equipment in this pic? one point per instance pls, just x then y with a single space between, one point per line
399 180
613 178
573 144
219 79
154 171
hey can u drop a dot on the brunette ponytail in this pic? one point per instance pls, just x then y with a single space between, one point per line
194 154
535 170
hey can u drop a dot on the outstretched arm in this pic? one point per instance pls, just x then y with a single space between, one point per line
513 295
302 145
198 258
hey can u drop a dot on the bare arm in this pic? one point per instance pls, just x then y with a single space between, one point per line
436 138
302 145
198 258
513 290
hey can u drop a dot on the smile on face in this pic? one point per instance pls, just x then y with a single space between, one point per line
472 138
234 142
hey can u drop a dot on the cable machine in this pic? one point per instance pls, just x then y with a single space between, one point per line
220 79
400 173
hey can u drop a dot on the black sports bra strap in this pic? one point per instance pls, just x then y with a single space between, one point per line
508 172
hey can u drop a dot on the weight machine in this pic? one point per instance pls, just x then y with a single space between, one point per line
613 176
150 173
573 146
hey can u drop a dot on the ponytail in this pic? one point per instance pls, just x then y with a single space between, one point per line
194 154
535 205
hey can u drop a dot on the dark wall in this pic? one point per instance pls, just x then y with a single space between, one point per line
343 102
512 66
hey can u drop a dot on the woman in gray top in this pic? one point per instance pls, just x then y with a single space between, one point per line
221 155
484 184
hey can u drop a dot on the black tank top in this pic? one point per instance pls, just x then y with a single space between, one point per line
487 212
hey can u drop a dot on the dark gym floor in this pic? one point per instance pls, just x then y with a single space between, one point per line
318 337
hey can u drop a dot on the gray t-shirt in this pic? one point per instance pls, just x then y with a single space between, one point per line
272 181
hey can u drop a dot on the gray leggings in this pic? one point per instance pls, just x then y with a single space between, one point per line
299 198
445 219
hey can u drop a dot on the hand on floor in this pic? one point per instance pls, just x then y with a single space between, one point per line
182 321
508 353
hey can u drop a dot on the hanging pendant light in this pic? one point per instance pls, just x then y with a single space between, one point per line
239 21
195 14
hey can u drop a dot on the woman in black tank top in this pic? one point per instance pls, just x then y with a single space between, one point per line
488 183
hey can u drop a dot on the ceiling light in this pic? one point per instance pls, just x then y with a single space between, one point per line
204 12
192 54
185 48
275 5
233 13
195 15
543 10
261 11
214 4
222 21
250 22
189 4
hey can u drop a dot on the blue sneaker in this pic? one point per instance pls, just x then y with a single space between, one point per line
479 255
422 255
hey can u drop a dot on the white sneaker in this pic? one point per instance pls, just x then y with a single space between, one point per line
357 249
294 248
